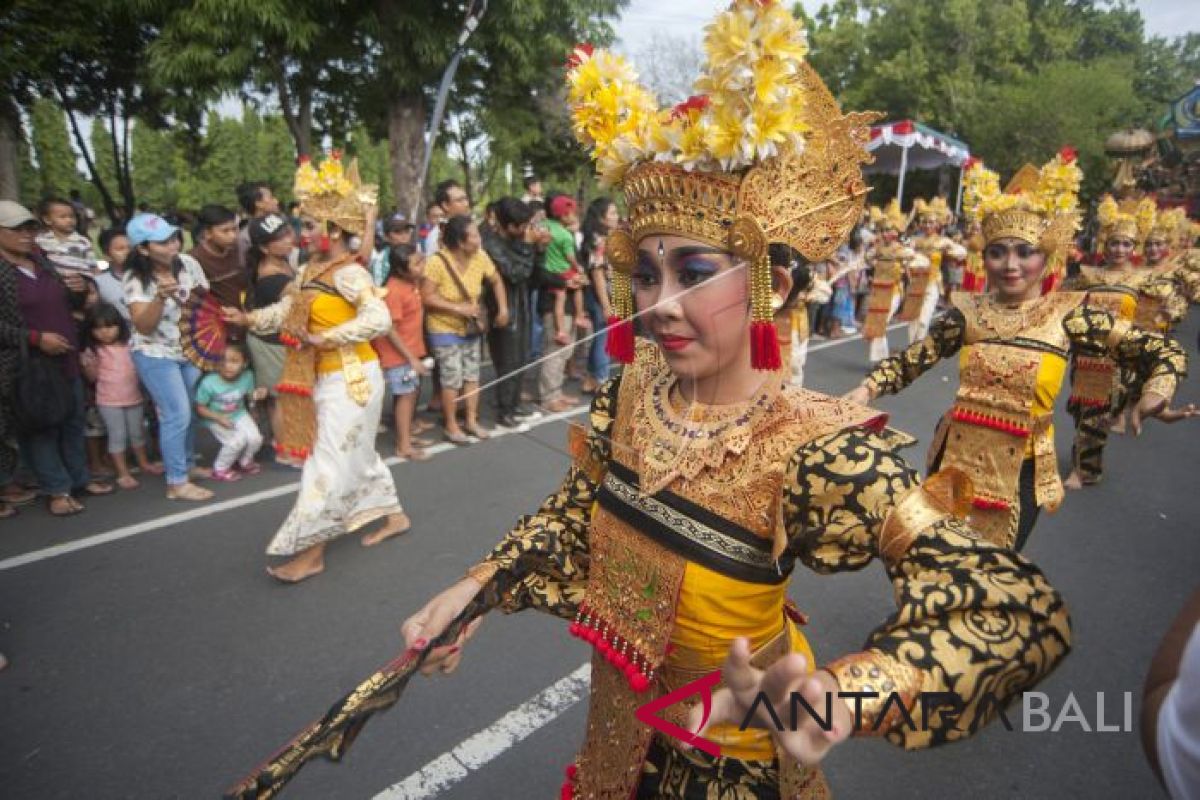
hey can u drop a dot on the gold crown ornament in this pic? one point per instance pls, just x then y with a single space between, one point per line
1038 206
1130 219
890 217
935 210
1166 225
331 194
760 155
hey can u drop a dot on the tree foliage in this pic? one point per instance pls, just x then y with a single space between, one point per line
1015 79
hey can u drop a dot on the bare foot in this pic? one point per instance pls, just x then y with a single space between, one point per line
153 468
128 482
188 491
1118 425
394 525
1074 480
293 572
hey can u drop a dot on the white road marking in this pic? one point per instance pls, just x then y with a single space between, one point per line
505 733
163 523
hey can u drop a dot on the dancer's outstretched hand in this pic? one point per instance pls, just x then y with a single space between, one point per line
427 624
1155 405
860 395
809 743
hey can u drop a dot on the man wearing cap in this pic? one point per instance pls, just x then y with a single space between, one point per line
397 231
35 311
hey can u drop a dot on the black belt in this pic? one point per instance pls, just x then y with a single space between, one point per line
685 528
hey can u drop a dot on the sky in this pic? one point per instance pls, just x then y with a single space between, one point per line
687 18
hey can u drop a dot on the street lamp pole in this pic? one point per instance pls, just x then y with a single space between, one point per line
475 12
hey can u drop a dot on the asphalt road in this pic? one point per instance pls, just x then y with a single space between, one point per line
160 661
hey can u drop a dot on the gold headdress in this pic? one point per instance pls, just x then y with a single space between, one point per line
1038 206
331 194
935 209
1167 224
1129 219
761 155
890 217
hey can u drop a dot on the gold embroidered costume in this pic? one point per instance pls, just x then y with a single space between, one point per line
925 278
890 261
1013 357
331 397
1099 386
678 526
1012 363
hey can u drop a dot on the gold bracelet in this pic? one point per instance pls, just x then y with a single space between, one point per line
483 572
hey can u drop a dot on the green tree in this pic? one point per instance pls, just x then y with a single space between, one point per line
154 178
57 174
1015 79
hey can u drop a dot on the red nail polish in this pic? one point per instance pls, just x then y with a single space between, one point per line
454 649
421 644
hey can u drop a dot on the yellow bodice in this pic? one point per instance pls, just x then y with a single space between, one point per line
328 311
712 611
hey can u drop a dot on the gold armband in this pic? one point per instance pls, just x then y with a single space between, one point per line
946 494
880 690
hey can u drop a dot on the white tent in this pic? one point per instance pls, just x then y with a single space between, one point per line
903 145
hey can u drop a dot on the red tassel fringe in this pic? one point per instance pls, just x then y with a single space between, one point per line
568 787
619 344
616 650
985 504
293 388
764 346
300 453
986 421
1077 400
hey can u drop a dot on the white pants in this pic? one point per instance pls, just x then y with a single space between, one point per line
799 359
239 444
878 348
920 326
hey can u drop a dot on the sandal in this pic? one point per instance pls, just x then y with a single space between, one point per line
6 510
17 496
478 432
414 454
456 438
97 488
63 505
188 491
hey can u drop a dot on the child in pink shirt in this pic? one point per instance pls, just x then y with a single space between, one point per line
107 363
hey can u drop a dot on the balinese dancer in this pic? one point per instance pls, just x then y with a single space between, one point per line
703 482
889 261
1013 345
674 534
1097 391
925 277
1164 257
331 390
1162 300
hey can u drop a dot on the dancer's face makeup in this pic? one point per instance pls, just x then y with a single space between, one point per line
1118 250
700 315
1014 268
1156 250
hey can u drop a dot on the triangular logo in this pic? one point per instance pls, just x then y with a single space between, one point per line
702 686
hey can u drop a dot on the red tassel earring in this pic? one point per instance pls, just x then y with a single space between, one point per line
764 341
619 344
